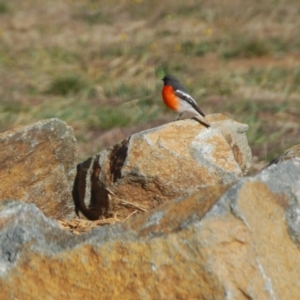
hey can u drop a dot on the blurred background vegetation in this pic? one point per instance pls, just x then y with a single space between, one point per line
98 64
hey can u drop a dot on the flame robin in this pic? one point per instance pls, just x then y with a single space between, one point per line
177 98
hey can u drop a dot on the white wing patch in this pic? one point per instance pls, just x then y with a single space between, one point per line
191 104
185 97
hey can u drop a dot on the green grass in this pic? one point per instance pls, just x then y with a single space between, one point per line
70 85
98 65
3 8
199 48
94 17
247 48
276 79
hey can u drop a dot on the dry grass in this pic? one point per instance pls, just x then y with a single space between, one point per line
97 65
122 211
79 226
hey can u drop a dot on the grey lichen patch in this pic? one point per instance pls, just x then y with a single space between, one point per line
14 237
226 202
293 220
154 219
285 175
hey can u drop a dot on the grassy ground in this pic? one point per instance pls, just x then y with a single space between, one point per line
97 65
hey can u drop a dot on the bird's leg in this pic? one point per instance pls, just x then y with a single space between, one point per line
179 116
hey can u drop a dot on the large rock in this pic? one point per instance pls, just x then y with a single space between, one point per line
38 166
161 164
290 153
242 245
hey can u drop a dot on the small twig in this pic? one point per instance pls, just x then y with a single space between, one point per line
78 226
130 215
124 202
110 192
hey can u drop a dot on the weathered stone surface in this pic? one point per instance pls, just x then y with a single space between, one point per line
162 164
244 246
38 165
290 153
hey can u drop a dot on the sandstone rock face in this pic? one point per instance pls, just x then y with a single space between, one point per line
162 164
240 244
291 153
38 166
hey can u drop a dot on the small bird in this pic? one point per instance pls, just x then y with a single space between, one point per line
177 98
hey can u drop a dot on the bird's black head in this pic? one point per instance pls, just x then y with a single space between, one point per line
170 79
174 82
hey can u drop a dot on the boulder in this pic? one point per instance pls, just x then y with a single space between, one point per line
291 153
161 164
237 243
38 166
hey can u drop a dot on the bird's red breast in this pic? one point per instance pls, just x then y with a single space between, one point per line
170 98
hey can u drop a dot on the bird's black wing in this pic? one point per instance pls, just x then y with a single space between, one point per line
186 97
